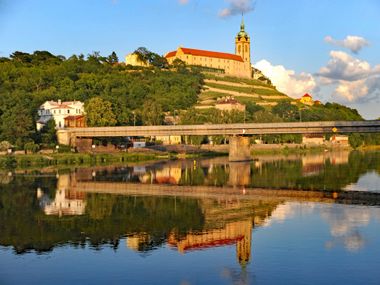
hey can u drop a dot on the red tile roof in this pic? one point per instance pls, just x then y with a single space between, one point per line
307 95
213 243
206 53
73 117
171 54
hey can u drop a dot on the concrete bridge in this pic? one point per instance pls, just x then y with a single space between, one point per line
239 145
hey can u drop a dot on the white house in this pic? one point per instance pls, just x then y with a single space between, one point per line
58 111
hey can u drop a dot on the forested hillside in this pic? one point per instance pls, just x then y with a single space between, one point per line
27 80
126 95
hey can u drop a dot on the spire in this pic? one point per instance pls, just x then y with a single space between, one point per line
242 32
242 27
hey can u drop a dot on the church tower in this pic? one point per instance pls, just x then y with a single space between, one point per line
243 44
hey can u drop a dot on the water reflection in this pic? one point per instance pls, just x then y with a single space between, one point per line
189 208
346 224
327 171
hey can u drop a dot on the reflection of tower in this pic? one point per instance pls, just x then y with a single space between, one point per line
243 247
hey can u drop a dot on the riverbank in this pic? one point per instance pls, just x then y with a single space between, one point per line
282 149
56 159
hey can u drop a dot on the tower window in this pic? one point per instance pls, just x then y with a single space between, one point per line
239 49
246 48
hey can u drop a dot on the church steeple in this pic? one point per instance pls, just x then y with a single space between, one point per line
243 43
242 27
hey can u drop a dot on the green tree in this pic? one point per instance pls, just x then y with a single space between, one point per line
49 133
152 113
112 58
286 111
99 113
355 140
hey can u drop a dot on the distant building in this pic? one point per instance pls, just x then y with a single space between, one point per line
339 140
307 99
134 60
59 111
238 64
313 139
169 139
229 104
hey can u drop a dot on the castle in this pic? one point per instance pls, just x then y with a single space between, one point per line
238 64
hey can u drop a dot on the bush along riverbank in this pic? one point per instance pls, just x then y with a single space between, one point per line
13 161
30 160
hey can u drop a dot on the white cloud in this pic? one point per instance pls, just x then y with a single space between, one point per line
355 79
352 91
286 80
342 66
237 7
353 43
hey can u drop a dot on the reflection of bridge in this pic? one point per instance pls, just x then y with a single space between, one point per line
238 193
71 136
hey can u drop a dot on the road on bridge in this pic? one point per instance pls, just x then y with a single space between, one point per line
225 129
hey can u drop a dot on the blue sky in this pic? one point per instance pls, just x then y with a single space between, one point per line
286 36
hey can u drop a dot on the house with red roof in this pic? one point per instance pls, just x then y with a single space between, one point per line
63 113
307 99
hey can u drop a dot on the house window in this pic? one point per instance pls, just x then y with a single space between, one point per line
68 111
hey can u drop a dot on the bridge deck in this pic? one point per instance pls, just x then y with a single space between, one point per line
230 129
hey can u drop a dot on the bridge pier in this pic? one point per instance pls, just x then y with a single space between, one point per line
239 149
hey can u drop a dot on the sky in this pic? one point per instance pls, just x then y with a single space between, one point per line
330 49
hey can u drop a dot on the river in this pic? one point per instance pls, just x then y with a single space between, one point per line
298 219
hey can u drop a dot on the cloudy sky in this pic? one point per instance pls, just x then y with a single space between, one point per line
330 49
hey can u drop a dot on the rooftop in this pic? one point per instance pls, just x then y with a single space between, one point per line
206 53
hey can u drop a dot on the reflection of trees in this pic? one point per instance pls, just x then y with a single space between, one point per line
288 174
24 226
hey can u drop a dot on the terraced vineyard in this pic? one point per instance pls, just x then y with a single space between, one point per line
243 90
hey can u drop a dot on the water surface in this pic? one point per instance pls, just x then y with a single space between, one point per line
276 220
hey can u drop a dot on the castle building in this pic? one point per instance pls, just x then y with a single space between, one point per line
134 60
238 64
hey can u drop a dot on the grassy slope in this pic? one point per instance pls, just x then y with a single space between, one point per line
244 90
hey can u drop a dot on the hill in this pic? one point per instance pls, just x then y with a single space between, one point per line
137 95
243 90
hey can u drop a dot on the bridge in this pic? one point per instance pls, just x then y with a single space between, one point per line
239 145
